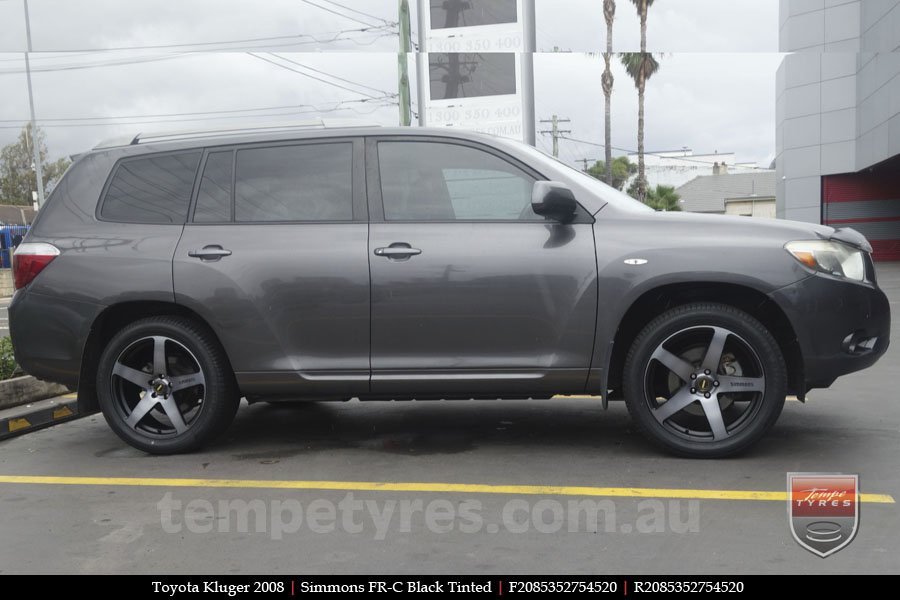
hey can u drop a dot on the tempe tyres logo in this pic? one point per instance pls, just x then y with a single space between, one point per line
823 510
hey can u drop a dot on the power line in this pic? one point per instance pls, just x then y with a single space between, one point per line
359 12
183 114
134 61
331 83
322 38
680 158
362 85
334 12
146 59
377 103
38 56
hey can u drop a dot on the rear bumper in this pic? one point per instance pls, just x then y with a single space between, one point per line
49 334
841 327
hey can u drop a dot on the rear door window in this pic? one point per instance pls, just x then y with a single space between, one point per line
309 182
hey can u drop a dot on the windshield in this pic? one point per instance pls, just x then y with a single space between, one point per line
591 184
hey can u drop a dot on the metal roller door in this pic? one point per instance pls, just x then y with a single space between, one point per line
868 202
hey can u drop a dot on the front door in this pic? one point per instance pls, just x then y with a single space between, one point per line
472 292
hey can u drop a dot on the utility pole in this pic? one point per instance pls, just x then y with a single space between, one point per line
423 74
556 132
586 161
403 65
35 145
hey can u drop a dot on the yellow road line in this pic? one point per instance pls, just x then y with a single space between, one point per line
583 397
455 488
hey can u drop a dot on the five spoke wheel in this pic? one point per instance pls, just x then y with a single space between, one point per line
710 382
165 385
160 386
705 380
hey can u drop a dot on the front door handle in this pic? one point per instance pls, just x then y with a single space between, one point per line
210 253
398 250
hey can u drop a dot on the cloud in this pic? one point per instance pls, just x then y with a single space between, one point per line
715 90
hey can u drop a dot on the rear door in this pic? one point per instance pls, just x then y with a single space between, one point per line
274 258
472 292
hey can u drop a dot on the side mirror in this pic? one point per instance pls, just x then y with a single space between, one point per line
554 200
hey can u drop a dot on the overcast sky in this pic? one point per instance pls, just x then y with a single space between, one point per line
193 67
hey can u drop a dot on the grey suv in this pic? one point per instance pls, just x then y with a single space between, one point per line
168 277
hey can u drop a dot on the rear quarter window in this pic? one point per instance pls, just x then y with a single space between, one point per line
151 189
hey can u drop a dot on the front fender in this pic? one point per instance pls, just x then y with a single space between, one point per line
631 264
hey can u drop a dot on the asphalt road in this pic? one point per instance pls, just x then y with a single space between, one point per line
334 514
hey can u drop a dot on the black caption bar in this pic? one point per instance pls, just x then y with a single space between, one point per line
484 586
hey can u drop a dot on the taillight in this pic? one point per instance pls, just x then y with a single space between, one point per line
29 260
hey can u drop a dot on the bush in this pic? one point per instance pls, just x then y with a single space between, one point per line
8 366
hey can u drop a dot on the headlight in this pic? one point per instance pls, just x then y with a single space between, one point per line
833 258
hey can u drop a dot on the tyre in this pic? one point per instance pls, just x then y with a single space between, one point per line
705 380
165 386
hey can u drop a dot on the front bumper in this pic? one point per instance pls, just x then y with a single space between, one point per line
841 327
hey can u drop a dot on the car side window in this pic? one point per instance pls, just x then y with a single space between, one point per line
214 196
435 181
310 182
151 189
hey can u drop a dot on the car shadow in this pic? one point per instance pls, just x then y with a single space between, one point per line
423 428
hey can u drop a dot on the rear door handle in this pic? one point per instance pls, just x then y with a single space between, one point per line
398 250
210 253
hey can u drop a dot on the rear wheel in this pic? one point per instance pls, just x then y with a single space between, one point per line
705 380
165 386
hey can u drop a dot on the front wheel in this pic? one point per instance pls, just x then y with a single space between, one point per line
705 380
165 386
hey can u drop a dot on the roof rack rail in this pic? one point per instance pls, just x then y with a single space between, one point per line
168 136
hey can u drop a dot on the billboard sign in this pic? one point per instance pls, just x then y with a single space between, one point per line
477 71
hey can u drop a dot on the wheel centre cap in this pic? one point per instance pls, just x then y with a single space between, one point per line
161 387
704 384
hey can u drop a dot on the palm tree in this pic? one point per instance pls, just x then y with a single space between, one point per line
643 7
640 66
609 12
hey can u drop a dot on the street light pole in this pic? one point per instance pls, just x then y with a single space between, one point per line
35 140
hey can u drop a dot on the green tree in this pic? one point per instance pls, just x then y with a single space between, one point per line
609 13
621 169
17 177
663 198
8 366
641 66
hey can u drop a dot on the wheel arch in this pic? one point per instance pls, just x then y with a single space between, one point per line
108 322
660 299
